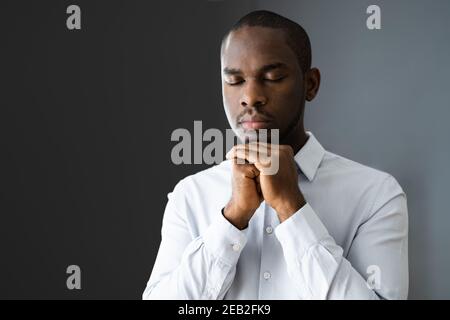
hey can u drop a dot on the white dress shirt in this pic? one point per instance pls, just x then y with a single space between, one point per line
353 227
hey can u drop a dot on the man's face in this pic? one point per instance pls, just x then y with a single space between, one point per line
262 83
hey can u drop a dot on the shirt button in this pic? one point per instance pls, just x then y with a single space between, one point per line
269 229
236 247
267 275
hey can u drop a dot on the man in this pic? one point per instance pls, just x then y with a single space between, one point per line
321 227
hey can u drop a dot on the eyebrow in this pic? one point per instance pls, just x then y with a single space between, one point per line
264 69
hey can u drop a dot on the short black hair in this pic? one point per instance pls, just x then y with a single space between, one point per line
296 36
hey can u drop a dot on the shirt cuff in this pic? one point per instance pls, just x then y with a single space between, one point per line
300 231
223 240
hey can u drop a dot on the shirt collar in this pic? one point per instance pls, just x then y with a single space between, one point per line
309 157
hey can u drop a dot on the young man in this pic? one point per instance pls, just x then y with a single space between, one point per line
321 227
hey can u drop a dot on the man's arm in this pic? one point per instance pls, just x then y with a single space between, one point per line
200 268
379 250
315 262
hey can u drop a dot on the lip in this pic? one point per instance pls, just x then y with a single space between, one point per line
255 124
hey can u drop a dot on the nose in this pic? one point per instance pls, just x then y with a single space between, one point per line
253 95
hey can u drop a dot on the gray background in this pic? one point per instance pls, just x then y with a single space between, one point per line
86 118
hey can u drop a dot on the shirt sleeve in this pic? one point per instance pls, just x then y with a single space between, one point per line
188 268
376 266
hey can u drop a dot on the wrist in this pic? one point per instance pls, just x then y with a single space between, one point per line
290 207
236 216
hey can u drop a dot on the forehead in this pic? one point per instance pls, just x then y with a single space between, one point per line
253 47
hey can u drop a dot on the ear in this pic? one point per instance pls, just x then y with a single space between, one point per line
312 83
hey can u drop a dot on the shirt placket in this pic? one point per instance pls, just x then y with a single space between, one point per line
266 276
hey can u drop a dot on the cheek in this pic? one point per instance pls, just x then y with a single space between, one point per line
226 96
228 92
286 100
231 105
288 95
230 100
292 88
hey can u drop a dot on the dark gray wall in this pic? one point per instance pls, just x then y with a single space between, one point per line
85 124
86 118
385 102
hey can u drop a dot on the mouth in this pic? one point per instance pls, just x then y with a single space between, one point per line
255 123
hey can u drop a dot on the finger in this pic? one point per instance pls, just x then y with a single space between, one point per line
260 147
248 170
249 146
251 152
245 154
238 157
247 166
260 160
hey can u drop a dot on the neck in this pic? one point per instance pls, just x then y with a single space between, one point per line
296 138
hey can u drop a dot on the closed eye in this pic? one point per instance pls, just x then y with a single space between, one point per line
235 83
275 80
